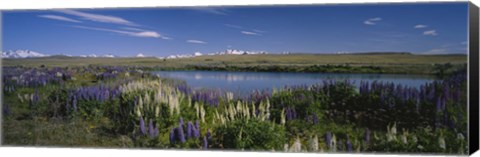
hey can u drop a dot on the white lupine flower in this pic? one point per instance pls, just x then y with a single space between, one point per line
239 106
420 147
157 110
334 143
232 114
253 111
146 99
394 129
58 74
282 117
297 146
217 115
137 110
20 97
197 108
140 102
229 96
314 143
460 137
247 112
202 114
27 97
404 137
441 142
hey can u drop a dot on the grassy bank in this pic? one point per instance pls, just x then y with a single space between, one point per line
365 63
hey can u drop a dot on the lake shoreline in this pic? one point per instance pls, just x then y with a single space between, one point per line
246 82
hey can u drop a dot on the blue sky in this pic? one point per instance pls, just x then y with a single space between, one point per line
429 28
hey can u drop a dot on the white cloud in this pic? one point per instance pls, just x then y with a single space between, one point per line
98 17
419 26
143 30
372 21
368 23
61 18
196 41
249 33
211 10
259 31
234 26
430 32
166 38
143 34
464 43
133 29
147 34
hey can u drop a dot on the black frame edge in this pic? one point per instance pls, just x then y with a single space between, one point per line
473 43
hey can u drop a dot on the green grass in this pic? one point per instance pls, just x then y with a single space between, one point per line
353 63
300 59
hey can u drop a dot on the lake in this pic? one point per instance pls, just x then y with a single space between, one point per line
245 82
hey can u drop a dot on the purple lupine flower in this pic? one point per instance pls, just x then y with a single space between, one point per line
142 126
349 145
205 142
172 135
197 125
181 135
189 130
367 136
209 134
446 92
180 122
328 139
196 132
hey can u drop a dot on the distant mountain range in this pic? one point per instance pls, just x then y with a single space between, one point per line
22 54
33 54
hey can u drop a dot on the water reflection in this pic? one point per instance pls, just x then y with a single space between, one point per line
244 82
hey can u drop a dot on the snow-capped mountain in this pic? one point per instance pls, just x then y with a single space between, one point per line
226 52
29 54
140 55
238 52
109 56
22 54
197 54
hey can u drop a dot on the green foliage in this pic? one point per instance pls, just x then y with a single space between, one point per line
249 135
340 108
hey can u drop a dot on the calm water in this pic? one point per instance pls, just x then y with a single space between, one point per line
245 82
